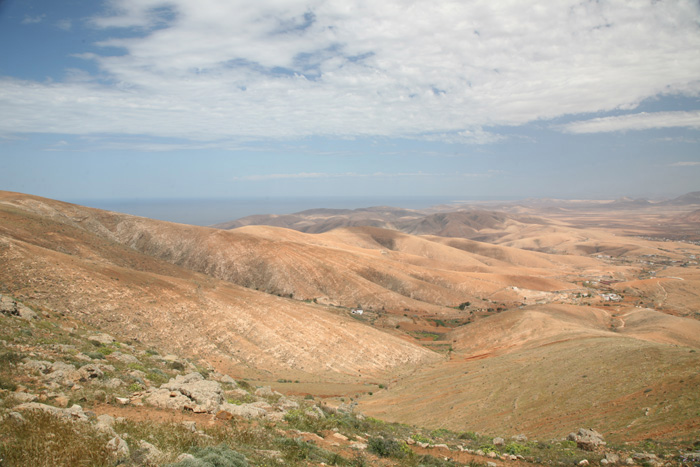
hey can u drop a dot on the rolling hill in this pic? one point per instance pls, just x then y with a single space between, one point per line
544 328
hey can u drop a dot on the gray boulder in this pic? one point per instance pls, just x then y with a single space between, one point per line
103 338
118 446
587 439
11 307
647 459
191 392
207 395
167 399
89 372
73 413
248 411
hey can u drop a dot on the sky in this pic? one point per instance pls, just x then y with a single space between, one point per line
482 99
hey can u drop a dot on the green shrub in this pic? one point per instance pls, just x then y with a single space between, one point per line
214 456
517 449
387 447
439 433
157 377
7 384
419 438
10 358
296 449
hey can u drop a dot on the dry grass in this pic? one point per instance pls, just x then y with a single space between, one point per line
42 440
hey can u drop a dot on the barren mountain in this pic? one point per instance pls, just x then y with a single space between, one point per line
66 257
686 199
455 223
531 325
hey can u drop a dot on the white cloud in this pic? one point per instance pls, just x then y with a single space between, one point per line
639 121
686 164
33 19
304 175
322 175
217 70
64 24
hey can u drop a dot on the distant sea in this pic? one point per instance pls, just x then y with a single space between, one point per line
214 211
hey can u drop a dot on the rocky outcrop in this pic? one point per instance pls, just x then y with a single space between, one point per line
73 413
248 411
587 439
11 307
64 374
189 392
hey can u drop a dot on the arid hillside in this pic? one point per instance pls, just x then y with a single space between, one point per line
67 258
538 370
485 321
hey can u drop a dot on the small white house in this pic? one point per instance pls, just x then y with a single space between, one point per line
611 297
357 312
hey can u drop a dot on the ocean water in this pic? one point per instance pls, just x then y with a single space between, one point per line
214 211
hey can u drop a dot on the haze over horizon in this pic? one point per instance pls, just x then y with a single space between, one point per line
167 99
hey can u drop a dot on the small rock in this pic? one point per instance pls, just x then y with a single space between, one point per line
151 453
499 442
122 400
315 412
266 391
184 457
629 461
358 446
114 383
270 454
90 371
123 358
583 462
519 438
646 458
190 425
102 338
287 404
228 380
118 446
491 464
106 419
422 445
492 454
611 458
24 397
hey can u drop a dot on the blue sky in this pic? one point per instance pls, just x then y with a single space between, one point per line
280 98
